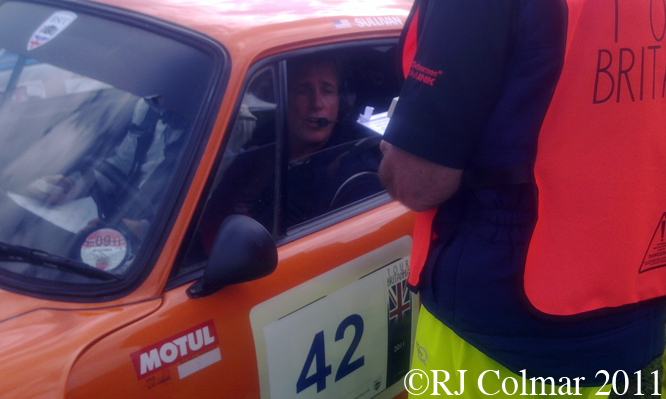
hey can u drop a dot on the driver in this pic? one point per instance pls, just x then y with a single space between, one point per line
130 181
332 178
314 104
322 173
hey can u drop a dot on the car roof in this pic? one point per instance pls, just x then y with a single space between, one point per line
259 25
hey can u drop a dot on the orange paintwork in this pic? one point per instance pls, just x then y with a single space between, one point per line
55 349
46 343
323 250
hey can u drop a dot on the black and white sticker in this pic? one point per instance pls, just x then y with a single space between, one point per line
50 28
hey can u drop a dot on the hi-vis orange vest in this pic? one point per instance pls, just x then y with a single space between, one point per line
600 238
601 164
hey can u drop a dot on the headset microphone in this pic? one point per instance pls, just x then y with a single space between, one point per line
322 122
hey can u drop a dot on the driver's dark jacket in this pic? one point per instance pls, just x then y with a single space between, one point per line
330 180
336 176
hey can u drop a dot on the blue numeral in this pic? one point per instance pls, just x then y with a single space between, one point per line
318 351
317 355
346 368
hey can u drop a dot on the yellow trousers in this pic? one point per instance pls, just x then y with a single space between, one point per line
444 364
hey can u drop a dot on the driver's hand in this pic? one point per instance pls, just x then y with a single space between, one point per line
51 190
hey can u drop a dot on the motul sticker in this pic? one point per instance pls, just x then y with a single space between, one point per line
50 28
192 350
655 257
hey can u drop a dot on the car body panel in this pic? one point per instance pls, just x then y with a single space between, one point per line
325 251
241 42
79 339
48 341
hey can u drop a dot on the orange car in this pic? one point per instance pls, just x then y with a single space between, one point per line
158 236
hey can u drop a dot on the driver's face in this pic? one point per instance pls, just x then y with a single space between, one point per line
313 94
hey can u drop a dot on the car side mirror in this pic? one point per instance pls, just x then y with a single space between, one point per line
243 251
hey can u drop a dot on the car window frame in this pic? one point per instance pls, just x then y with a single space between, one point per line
281 235
349 211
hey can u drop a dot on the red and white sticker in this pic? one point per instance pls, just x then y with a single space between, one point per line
104 249
50 28
192 350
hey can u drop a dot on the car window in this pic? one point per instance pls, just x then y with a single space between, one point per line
298 140
245 182
89 144
330 179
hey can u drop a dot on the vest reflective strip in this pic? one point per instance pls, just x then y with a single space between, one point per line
599 241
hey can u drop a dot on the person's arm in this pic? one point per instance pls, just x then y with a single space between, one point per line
449 95
416 182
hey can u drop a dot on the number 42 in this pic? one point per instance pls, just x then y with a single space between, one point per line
317 355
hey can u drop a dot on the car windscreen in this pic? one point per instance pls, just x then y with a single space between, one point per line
95 118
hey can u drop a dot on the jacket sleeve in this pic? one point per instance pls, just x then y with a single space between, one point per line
454 80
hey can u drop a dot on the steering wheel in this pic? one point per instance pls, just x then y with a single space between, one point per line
363 159
354 188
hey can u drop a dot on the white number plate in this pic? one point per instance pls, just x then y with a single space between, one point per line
346 333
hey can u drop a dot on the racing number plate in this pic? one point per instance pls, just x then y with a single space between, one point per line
346 333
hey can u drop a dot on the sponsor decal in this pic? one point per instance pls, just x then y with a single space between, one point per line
50 28
399 321
423 74
192 350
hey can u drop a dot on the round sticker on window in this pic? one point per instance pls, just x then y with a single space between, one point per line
104 249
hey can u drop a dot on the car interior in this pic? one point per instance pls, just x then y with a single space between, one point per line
254 169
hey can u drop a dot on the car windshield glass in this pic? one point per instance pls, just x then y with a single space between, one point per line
94 119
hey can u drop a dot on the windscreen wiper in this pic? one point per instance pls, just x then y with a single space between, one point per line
17 253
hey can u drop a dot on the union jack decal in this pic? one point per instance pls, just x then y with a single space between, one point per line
37 41
399 301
